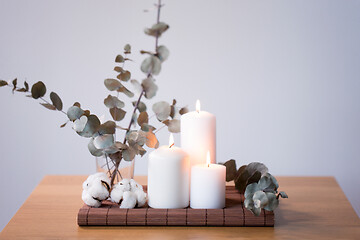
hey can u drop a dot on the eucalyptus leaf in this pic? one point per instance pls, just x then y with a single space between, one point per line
283 195
111 150
3 83
104 141
126 91
173 125
273 202
112 84
248 203
143 118
38 90
262 199
63 125
121 145
146 127
93 150
151 65
77 104
149 87
21 90
118 69
79 124
268 183
183 110
119 59
256 211
107 128
74 113
254 178
127 49
162 110
163 53
117 113
124 76
91 126
257 166
151 140
251 189
137 86
112 102
56 101
157 29
26 85
141 106
14 82
128 154
230 170
48 106
140 150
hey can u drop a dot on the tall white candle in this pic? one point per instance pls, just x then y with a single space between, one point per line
168 177
198 135
208 185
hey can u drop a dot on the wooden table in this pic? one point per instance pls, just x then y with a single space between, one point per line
316 209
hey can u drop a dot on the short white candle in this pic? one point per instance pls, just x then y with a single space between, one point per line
168 177
208 185
198 135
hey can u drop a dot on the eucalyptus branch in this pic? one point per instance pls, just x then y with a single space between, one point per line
23 90
114 173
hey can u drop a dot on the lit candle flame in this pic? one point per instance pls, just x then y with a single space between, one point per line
208 158
171 140
198 105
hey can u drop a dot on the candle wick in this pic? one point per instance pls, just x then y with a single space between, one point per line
171 145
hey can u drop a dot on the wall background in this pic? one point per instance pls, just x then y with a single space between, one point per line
282 78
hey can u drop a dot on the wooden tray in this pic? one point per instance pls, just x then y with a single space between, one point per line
234 214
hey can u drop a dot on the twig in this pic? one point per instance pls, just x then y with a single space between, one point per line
114 173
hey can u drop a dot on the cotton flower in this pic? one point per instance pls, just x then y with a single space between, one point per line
129 194
119 189
129 200
96 189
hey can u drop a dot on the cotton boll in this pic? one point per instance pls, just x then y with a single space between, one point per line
129 200
89 200
100 175
141 198
135 186
119 189
98 190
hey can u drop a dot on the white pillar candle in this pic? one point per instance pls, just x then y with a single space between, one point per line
208 186
198 135
168 177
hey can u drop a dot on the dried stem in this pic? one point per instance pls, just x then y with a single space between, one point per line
114 173
45 101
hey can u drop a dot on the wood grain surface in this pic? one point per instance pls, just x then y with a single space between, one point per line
316 209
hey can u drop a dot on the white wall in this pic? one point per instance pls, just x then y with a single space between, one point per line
282 78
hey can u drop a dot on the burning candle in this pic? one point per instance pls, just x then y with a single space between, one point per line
198 135
207 189
168 177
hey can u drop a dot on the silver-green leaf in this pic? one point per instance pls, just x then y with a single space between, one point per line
163 53
74 113
112 102
151 65
162 110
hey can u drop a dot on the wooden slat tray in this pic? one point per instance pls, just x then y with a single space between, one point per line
234 214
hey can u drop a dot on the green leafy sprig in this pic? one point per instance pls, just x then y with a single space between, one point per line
257 184
139 132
